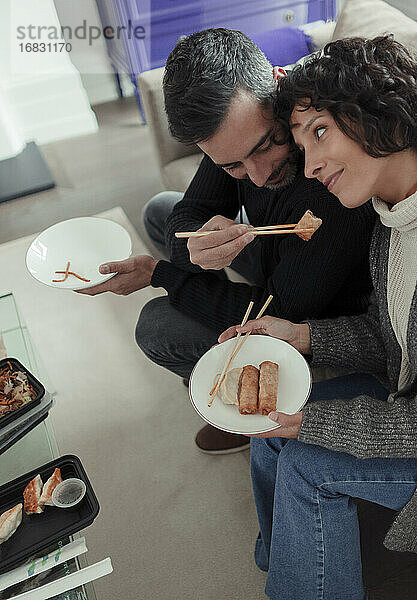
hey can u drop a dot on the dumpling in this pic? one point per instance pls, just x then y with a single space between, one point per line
9 522
228 389
49 487
31 496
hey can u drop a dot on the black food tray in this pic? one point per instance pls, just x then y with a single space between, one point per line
37 386
37 532
23 431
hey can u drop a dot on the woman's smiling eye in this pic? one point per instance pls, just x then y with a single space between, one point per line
319 131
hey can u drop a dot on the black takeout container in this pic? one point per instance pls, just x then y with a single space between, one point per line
12 439
37 386
37 532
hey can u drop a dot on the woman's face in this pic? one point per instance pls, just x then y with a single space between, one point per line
334 159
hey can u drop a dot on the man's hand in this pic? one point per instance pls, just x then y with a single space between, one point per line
288 426
133 274
298 335
217 250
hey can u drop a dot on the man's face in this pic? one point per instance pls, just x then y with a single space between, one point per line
244 145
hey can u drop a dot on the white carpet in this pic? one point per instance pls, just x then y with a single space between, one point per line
176 523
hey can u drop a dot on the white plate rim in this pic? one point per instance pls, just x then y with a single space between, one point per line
85 287
248 433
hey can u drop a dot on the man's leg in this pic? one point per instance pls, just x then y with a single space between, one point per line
309 540
167 352
154 215
175 341
170 338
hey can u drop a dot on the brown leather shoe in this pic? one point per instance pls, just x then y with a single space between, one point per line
214 441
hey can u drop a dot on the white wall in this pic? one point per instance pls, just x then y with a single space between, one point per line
45 90
12 140
91 61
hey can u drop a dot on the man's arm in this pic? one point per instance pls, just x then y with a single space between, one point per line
211 192
306 278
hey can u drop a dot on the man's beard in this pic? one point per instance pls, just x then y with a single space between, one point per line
289 164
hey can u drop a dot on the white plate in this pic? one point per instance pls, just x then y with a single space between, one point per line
87 242
294 383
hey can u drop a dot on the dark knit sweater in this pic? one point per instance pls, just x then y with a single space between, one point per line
327 276
363 426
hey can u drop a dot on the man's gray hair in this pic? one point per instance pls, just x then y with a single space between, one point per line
204 73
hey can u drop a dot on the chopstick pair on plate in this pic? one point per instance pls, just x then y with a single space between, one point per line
236 347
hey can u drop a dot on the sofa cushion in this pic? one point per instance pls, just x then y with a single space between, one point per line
285 45
178 174
166 147
370 18
321 33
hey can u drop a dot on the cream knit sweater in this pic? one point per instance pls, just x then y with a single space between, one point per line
402 270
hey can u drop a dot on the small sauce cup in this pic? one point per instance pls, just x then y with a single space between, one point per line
68 493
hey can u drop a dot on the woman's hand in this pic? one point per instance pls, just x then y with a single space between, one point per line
288 426
298 335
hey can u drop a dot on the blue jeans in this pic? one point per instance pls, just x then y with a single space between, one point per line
309 534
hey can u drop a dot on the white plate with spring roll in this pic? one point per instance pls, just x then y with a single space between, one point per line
293 386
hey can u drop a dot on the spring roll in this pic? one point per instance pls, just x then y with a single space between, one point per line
248 390
268 387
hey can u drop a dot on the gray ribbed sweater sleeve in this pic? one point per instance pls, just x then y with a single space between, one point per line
354 343
363 426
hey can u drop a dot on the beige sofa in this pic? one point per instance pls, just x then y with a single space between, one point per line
178 162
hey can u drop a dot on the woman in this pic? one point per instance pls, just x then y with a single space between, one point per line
352 111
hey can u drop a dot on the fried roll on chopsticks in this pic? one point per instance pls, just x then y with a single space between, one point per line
268 387
248 390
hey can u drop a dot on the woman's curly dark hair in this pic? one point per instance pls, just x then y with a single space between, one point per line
368 86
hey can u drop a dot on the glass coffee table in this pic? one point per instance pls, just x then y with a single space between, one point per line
39 446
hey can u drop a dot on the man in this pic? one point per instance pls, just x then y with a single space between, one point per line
219 92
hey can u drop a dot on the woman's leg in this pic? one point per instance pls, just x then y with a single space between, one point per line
286 476
264 457
315 544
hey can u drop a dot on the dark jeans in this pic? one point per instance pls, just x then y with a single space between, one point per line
169 337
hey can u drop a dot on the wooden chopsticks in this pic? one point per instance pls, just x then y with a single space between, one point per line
266 230
236 348
213 392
